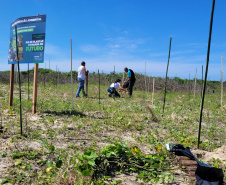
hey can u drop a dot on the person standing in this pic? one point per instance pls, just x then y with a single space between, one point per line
130 82
82 73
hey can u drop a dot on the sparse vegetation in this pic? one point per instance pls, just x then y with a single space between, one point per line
100 143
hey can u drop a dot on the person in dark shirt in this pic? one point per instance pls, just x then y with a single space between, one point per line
129 83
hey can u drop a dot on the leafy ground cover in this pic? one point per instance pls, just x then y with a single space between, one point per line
106 141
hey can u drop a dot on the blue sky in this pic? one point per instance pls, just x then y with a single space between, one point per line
125 33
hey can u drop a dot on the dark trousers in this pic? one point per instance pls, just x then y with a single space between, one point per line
113 91
130 88
129 85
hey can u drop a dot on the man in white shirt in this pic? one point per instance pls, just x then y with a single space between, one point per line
82 73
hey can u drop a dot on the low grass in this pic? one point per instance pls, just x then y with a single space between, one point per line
64 146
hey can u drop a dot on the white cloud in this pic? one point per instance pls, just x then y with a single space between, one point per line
153 67
125 32
194 45
116 54
114 46
182 52
90 48
124 43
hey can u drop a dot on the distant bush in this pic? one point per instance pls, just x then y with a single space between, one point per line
175 84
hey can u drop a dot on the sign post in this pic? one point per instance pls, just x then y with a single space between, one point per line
26 45
35 88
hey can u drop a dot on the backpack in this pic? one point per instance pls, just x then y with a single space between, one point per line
133 79
205 174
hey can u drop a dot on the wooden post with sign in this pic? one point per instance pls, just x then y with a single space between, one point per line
35 88
11 85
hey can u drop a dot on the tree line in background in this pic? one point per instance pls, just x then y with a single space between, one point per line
143 83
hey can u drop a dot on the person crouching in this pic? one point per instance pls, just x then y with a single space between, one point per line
112 89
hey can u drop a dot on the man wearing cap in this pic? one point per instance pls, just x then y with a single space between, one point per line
82 73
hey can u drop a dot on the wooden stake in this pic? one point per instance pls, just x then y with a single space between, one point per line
99 85
45 76
123 77
11 85
71 78
35 88
87 84
145 80
202 82
195 82
58 78
222 82
153 91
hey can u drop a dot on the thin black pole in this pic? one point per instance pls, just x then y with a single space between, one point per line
202 82
166 75
189 87
28 82
17 58
99 85
114 90
206 73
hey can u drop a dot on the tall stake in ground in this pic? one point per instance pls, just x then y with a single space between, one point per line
153 91
202 82
206 73
145 80
56 77
222 82
17 58
166 75
195 82
71 77
99 85
28 82
87 76
11 85
45 76
35 88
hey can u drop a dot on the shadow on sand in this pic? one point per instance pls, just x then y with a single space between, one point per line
66 112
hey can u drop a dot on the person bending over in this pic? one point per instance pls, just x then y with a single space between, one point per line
112 89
